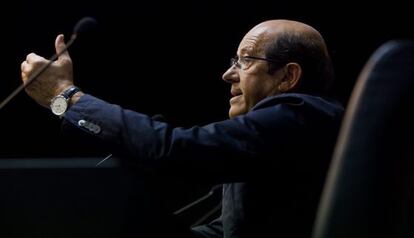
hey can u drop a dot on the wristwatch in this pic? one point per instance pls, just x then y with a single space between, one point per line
60 104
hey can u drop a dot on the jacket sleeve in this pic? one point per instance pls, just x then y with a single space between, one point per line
230 145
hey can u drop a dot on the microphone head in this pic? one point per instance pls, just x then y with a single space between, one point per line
85 24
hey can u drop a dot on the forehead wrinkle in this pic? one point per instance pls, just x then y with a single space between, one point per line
253 43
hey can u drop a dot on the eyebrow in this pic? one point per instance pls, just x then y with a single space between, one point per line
250 49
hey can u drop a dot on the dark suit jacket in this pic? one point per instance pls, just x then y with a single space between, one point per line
273 159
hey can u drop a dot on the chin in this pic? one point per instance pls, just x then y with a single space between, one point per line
236 111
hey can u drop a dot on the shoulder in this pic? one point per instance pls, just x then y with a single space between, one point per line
296 101
295 111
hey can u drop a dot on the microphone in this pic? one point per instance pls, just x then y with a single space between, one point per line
83 25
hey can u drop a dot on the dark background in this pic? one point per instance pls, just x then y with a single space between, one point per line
167 57
156 57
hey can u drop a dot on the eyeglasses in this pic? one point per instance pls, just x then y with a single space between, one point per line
243 61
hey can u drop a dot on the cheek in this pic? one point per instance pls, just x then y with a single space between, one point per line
252 92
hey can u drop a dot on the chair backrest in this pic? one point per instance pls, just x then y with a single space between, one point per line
369 187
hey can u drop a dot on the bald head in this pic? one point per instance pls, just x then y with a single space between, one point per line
267 32
287 41
280 26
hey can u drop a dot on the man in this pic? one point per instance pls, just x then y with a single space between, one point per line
272 153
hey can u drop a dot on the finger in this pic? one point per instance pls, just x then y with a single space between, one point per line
25 67
33 58
24 77
60 46
26 70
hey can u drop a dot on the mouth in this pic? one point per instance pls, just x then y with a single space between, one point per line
235 93
235 97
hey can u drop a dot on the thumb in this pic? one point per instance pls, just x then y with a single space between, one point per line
61 46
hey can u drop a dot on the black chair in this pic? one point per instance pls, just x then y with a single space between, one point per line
369 188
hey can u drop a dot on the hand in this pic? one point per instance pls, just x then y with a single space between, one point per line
55 79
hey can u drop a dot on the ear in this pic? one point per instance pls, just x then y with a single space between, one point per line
293 73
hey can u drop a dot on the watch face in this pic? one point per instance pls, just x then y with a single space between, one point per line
59 105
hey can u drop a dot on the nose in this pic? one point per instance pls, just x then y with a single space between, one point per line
231 75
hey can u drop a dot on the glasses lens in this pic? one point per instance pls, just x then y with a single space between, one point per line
240 62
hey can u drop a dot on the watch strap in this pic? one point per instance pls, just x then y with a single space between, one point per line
68 93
